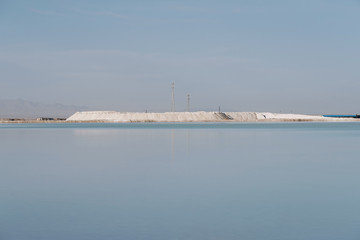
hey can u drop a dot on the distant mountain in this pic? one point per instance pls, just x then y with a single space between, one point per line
20 108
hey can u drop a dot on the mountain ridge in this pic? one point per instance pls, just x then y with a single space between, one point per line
20 108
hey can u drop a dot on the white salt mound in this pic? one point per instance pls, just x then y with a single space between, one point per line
112 116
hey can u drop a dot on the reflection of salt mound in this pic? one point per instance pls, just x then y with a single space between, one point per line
111 116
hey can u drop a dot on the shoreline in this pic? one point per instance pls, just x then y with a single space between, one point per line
30 121
20 120
179 117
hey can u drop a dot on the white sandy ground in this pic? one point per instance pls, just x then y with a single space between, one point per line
112 116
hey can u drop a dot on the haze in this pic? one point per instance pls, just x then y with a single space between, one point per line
277 56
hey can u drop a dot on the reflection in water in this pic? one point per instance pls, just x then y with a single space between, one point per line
188 141
172 144
95 132
238 183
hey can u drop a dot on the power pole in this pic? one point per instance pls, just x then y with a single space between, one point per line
173 97
188 102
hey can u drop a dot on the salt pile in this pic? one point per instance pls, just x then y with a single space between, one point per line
112 116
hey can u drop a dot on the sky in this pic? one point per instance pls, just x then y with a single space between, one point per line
277 56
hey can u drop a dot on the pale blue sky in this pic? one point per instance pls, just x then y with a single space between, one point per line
288 56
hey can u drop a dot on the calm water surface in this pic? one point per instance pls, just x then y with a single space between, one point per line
275 181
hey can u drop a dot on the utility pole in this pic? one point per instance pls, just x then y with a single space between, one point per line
172 97
188 102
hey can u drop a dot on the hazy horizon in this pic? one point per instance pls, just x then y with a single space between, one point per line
278 56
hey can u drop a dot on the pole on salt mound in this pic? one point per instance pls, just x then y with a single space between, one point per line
188 102
172 97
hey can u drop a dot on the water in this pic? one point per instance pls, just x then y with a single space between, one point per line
180 181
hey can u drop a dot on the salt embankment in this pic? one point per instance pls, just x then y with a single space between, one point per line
112 116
